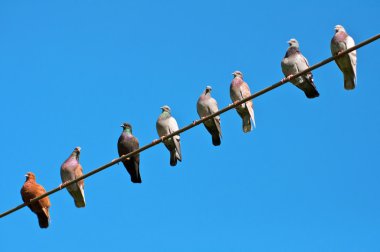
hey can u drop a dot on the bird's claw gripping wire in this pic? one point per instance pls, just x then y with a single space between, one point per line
62 185
287 78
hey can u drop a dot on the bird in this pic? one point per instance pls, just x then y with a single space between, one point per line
293 63
31 190
239 90
340 42
71 169
207 105
126 144
166 124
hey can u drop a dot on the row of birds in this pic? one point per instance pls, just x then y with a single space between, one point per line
293 63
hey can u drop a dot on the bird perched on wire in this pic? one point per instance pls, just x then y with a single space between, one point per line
126 144
340 42
293 63
31 190
71 169
166 124
207 105
239 90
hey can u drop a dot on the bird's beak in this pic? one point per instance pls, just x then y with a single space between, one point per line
122 125
26 175
78 149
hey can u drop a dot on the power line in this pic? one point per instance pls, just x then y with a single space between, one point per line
195 123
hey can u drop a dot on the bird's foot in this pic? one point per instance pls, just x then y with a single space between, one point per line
62 185
340 52
287 78
155 141
194 122
234 103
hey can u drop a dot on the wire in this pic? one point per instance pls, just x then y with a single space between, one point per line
195 123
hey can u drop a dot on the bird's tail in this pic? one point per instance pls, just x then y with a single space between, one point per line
43 219
247 127
349 81
216 140
173 157
78 196
136 178
311 90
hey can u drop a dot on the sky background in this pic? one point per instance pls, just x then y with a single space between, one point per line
306 179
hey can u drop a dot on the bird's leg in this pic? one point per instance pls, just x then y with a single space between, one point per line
287 78
340 52
63 185
158 140
233 103
194 122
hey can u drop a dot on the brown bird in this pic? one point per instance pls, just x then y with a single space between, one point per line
31 190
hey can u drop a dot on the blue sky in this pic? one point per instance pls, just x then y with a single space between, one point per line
306 179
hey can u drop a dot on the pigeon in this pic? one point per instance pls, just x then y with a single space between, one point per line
347 63
165 125
70 170
207 105
293 63
126 144
31 190
238 91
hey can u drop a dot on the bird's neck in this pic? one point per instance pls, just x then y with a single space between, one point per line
292 50
74 156
165 114
128 131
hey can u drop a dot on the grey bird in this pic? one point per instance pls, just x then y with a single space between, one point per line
126 144
346 63
207 105
71 169
166 124
239 90
293 63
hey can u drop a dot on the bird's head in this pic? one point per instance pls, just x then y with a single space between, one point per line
30 175
293 43
208 89
76 152
126 126
339 28
237 73
165 108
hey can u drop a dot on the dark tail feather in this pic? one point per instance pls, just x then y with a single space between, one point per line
135 172
311 91
173 157
247 127
216 140
43 220
80 204
136 178
349 82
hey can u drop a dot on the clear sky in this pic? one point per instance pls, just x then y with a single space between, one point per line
306 179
